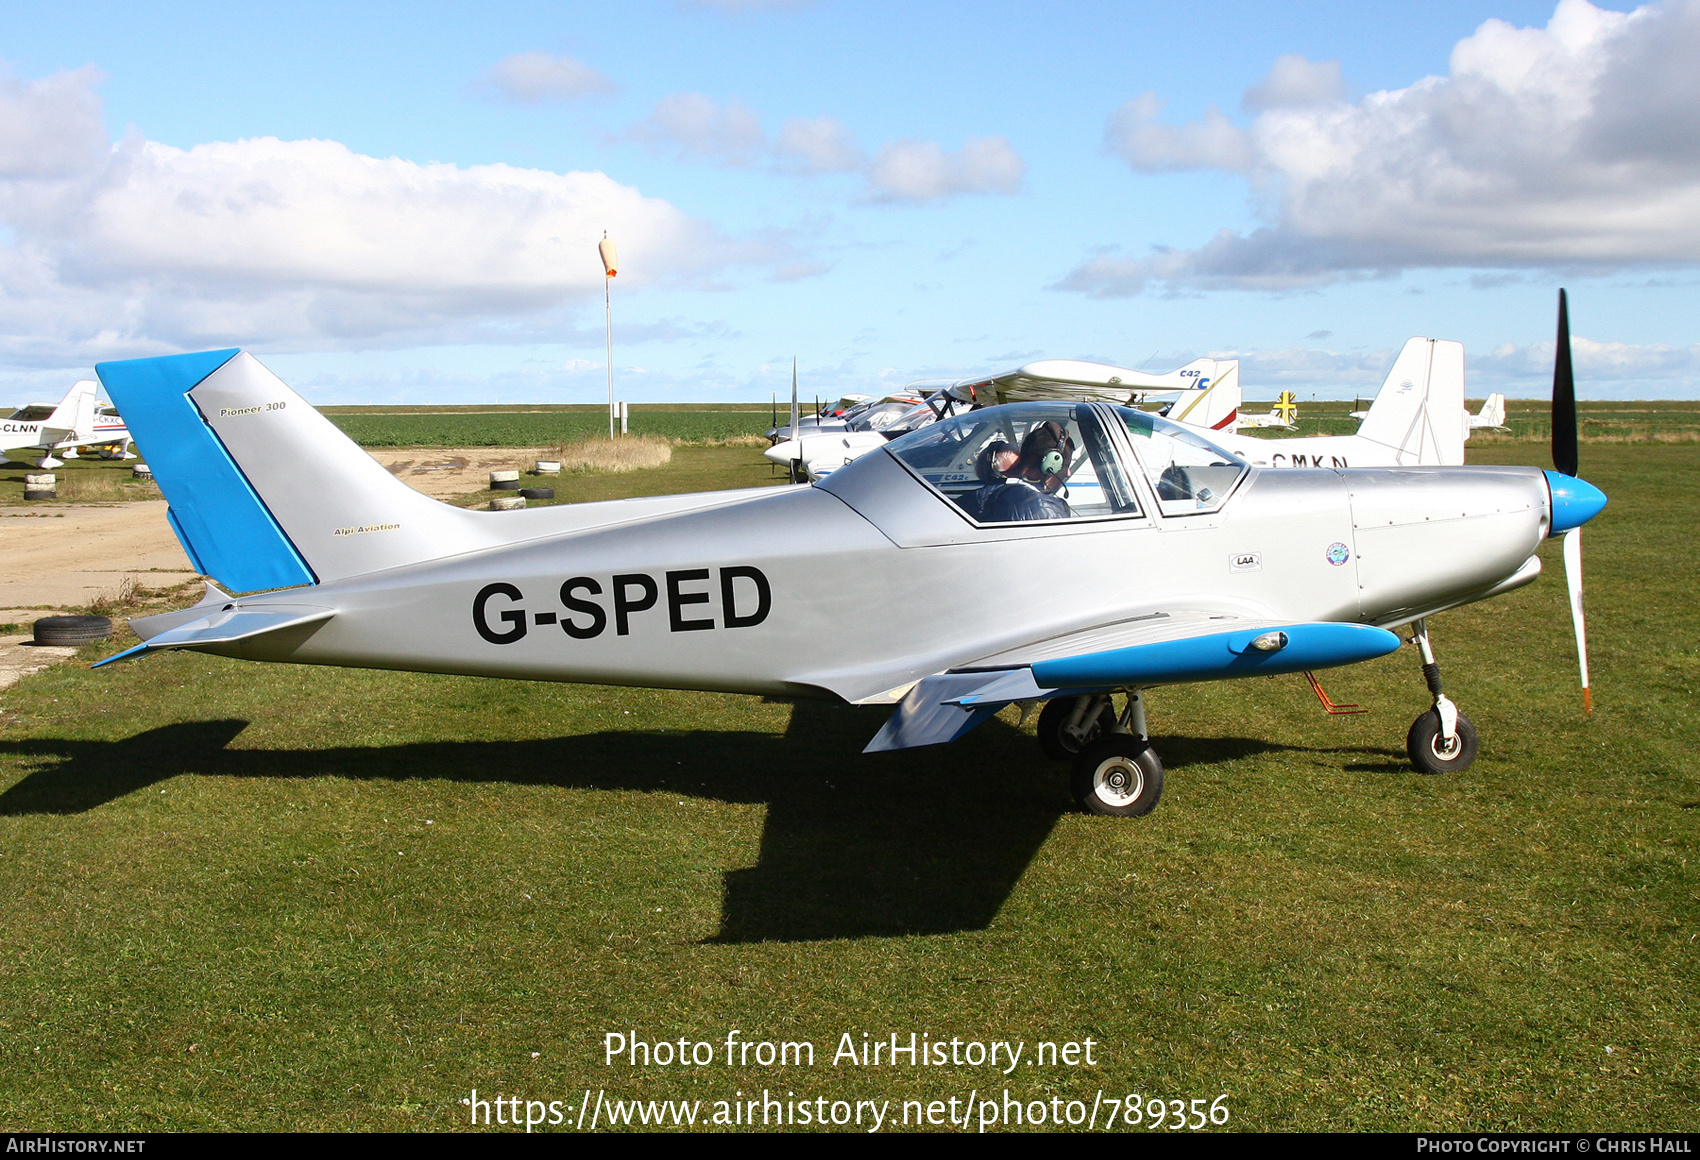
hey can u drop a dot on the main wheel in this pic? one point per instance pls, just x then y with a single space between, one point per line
1119 777
1432 753
1055 739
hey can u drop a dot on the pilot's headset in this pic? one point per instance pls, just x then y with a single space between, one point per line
1053 463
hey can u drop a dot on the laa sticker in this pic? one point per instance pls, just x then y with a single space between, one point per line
1338 554
1247 562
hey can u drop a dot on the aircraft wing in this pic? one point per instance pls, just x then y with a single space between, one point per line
1155 649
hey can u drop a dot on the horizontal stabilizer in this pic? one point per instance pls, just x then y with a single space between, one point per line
227 625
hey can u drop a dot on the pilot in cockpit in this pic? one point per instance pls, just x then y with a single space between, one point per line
1029 489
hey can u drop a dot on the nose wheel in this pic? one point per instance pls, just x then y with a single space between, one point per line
1442 740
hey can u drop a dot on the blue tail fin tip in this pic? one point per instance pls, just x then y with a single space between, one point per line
226 529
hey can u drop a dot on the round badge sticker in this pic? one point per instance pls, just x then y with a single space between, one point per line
1338 554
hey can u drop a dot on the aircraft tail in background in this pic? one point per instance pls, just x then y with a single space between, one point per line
1213 401
73 418
1492 413
1419 411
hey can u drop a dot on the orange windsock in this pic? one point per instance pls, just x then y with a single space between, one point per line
610 259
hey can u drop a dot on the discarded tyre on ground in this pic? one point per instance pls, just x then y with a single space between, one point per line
504 481
142 473
71 629
507 503
537 492
41 487
548 467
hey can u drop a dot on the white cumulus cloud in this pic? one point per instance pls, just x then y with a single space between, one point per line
142 247
919 171
1568 146
534 77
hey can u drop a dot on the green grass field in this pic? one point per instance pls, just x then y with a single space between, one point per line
540 426
241 896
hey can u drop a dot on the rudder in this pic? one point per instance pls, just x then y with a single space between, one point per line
265 492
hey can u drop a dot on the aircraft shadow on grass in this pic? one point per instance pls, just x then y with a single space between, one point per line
927 841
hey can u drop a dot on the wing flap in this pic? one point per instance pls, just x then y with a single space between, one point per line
933 712
941 708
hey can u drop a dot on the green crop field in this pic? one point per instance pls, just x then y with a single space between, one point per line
541 427
238 896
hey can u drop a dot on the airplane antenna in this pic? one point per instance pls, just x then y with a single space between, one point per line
1147 362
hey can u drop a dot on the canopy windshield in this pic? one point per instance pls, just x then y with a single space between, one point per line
968 458
993 463
1189 473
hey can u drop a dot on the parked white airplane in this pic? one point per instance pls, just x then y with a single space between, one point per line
46 434
1418 417
1492 413
1206 394
1284 413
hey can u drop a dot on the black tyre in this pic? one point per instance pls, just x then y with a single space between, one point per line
1057 742
537 492
1430 752
1119 777
72 629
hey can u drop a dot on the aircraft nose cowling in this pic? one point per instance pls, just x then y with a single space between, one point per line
1574 501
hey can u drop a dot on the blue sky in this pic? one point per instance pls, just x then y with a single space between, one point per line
399 203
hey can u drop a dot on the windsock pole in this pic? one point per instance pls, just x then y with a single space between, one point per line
610 263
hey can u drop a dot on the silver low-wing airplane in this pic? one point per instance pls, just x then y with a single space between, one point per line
1174 561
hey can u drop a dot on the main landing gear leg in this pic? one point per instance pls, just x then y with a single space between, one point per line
1442 740
1119 774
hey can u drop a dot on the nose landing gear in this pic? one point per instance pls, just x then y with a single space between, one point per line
1442 740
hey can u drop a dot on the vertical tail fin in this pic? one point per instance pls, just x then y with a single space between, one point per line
1419 411
265 492
1492 413
73 417
1216 406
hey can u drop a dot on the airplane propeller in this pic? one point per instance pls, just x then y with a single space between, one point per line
1564 459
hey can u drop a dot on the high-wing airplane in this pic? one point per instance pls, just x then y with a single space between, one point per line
1176 561
1205 393
44 434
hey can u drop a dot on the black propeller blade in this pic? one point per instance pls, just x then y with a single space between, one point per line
1564 460
1563 396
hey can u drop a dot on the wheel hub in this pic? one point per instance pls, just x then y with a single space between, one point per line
1120 780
